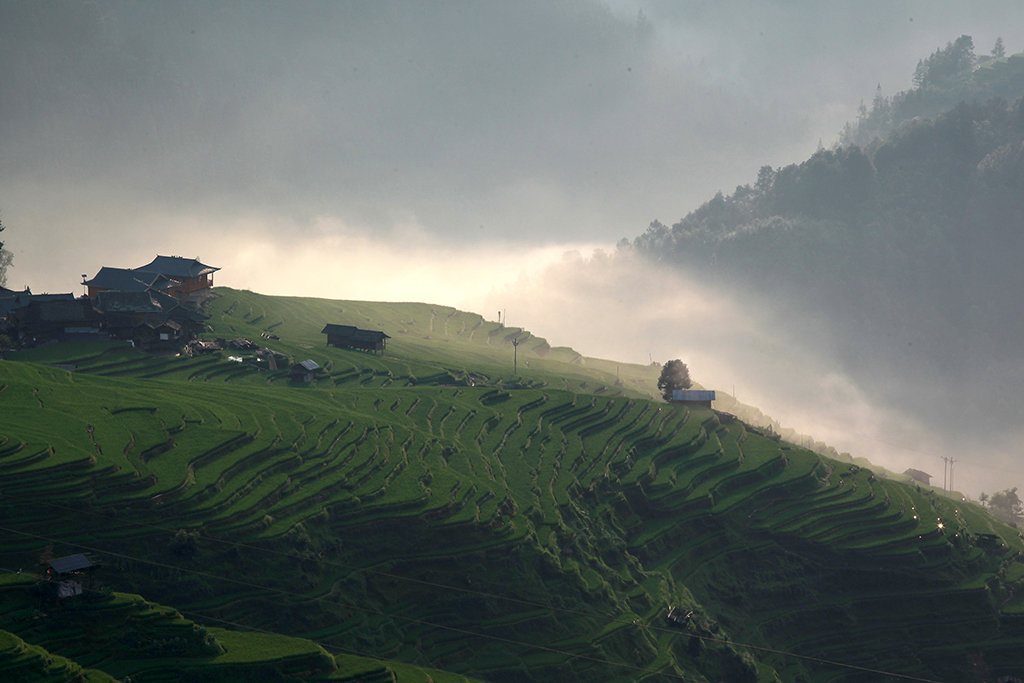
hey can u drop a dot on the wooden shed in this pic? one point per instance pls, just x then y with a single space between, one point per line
919 476
348 336
305 371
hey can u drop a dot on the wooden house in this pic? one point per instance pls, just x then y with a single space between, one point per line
127 280
919 476
57 317
70 571
693 397
347 336
158 333
305 371
191 275
174 275
136 315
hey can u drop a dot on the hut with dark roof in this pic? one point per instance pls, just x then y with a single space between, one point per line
69 564
71 571
305 371
347 336
919 476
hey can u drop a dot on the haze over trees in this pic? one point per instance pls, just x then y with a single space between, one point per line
902 253
1005 505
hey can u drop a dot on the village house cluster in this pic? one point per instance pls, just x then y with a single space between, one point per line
155 306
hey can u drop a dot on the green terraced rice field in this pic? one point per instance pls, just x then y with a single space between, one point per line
429 507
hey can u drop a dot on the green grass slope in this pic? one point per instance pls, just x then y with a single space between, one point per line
429 507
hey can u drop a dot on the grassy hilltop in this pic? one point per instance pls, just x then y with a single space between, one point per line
431 508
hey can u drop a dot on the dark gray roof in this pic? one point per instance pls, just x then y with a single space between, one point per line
127 302
149 301
354 333
331 328
71 563
10 303
155 322
129 280
177 266
61 310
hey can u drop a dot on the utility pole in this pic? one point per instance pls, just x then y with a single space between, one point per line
515 356
951 461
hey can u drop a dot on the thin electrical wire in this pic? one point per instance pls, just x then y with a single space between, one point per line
471 633
466 632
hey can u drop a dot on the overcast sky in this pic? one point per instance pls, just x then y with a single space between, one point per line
429 150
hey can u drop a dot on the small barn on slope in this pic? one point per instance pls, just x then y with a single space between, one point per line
919 476
347 336
305 371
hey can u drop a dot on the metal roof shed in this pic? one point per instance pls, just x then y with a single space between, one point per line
71 563
702 397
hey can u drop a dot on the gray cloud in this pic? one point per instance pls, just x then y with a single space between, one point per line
520 117
532 120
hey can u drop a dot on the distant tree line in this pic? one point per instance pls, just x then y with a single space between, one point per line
948 76
1006 505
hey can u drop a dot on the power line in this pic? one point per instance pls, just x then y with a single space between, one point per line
281 591
480 635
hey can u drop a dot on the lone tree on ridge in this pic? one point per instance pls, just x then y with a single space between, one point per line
674 375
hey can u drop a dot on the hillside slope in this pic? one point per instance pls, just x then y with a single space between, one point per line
428 507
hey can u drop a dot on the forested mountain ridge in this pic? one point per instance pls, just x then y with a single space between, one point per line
950 75
908 247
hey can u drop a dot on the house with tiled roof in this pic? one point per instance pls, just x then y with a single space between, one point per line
150 318
57 317
191 274
127 280
174 275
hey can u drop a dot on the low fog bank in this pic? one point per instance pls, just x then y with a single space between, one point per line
603 302
261 252
607 304
616 305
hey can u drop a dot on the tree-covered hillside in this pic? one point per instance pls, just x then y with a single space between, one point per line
950 75
417 509
904 254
